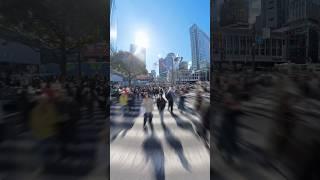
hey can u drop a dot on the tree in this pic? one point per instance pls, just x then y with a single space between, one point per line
127 64
61 26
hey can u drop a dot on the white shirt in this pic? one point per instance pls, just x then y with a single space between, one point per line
148 105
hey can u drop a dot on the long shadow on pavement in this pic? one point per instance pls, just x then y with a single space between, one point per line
177 146
184 125
126 125
153 150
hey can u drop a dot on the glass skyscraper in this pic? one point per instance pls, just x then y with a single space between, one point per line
200 46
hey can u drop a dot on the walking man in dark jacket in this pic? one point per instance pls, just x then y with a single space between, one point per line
161 104
169 97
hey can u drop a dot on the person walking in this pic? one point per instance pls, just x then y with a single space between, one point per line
199 99
228 135
169 97
148 106
123 101
161 104
44 121
182 101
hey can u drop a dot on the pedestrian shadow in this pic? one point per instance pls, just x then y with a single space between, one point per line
184 125
153 150
196 123
190 110
122 128
175 144
127 124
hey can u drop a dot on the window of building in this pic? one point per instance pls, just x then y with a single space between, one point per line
268 47
236 43
262 50
243 45
274 47
279 48
231 45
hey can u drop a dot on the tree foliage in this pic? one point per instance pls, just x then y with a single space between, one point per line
59 25
127 64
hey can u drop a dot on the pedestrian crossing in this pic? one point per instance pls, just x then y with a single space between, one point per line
173 151
19 155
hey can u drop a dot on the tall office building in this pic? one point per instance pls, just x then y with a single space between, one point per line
304 29
162 69
153 72
183 65
139 52
234 11
254 10
274 14
165 65
304 9
200 46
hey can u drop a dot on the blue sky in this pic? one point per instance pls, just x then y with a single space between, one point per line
166 23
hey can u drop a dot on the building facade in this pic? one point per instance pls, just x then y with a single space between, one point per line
153 73
302 31
293 27
183 65
239 46
274 13
234 11
16 57
200 48
162 69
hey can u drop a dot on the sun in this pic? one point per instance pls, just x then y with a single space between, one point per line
141 39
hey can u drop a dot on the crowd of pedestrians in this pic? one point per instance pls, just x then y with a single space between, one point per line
50 109
163 96
294 136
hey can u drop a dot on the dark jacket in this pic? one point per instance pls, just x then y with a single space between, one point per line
161 104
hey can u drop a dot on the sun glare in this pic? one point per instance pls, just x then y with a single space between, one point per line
141 39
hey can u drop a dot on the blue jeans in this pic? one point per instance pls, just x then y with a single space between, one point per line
148 117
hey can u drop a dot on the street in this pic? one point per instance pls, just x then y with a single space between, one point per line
19 157
173 152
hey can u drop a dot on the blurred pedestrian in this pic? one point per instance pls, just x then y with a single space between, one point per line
123 99
161 104
170 98
182 101
44 120
228 133
148 106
